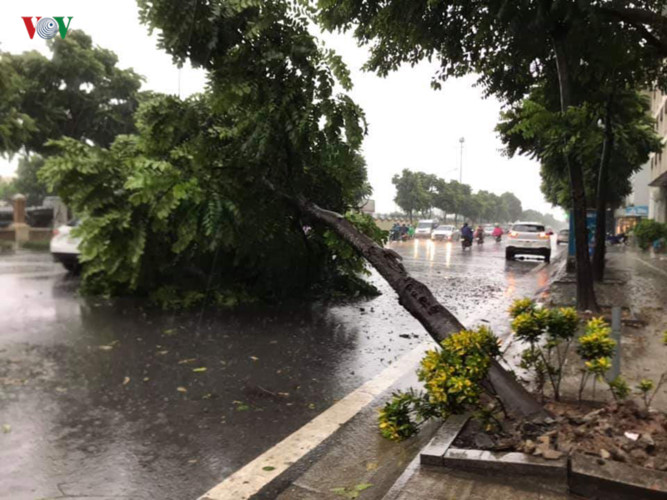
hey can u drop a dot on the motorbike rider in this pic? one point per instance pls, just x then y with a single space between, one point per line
395 231
479 233
466 232
497 232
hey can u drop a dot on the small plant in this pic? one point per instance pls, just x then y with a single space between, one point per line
619 388
452 378
648 389
549 333
664 337
521 306
595 348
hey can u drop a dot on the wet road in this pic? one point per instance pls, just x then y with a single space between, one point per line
103 399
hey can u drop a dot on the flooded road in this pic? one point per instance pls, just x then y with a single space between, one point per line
104 399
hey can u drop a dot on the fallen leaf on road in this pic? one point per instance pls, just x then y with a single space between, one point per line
199 370
254 358
146 379
6 428
170 331
283 394
351 492
105 347
162 353
311 406
193 461
268 468
126 380
181 389
185 361
370 466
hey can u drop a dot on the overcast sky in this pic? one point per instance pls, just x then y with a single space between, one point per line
410 125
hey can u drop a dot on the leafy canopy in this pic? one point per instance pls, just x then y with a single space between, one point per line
188 208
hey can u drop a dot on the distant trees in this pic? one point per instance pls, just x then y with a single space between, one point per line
413 191
418 192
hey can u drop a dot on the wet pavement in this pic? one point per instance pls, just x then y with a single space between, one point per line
105 399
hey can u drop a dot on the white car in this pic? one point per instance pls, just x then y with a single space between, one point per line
65 247
528 238
446 233
425 228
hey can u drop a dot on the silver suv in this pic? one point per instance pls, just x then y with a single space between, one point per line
528 238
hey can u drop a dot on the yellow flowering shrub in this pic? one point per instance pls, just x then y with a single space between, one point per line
452 377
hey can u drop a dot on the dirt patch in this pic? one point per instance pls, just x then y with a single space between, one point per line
622 432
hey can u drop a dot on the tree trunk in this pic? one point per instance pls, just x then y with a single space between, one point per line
601 202
420 302
585 292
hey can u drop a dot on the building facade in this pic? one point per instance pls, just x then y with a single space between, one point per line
657 202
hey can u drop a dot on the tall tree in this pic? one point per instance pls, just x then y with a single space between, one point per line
512 206
78 92
534 127
412 192
511 45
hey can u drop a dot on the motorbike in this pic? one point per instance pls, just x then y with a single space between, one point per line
466 242
499 238
617 239
480 239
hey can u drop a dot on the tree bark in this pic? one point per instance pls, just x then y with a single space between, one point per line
420 302
585 292
601 202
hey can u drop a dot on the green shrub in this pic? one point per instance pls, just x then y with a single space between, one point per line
453 379
647 231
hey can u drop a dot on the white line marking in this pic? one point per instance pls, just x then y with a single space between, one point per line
650 265
252 477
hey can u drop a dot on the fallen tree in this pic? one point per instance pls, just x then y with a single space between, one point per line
418 300
269 129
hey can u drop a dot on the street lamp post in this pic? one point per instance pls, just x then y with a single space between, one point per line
461 141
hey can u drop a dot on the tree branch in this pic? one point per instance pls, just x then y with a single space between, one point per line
414 296
640 19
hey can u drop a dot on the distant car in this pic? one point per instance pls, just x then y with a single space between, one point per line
65 247
425 228
488 229
446 233
563 236
528 238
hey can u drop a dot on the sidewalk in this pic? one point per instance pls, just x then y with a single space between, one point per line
637 282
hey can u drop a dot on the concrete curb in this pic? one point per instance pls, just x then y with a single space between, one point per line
582 475
594 478
506 462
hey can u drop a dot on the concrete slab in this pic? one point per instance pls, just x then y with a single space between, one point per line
595 478
438 483
435 450
510 463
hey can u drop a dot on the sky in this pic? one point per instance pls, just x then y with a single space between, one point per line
410 125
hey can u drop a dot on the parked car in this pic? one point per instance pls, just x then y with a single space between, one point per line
65 247
563 236
445 232
528 238
425 227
